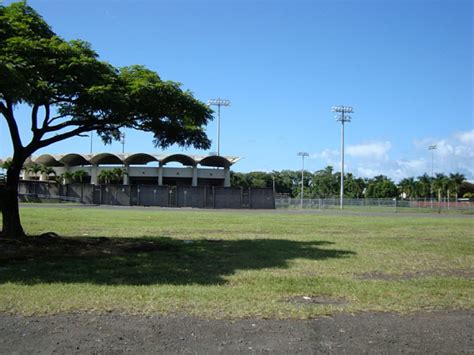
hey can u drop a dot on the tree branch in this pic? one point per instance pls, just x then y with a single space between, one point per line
46 116
34 118
60 126
54 118
35 145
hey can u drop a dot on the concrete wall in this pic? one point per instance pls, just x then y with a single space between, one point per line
150 195
227 197
191 197
261 198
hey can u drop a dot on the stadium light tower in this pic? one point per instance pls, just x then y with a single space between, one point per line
122 141
91 134
343 118
432 148
218 102
302 155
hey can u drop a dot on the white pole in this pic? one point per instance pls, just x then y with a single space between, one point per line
342 164
219 129
343 118
302 181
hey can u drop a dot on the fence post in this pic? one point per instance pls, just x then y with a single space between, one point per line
213 197
250 197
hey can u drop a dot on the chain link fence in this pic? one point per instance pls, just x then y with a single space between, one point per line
377 204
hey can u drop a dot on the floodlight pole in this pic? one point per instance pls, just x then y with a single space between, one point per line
432 148
218 102
343 118
92 135
302 155
122 140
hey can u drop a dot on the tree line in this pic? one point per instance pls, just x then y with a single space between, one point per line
325 183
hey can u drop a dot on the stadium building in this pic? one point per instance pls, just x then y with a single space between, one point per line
142 168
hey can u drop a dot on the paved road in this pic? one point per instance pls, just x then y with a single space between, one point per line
447 332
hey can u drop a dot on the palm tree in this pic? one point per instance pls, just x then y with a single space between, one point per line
440 183
66 177
408 186
33 169
80 175
106 176
47 170
456 181
118 174
424 185
6 164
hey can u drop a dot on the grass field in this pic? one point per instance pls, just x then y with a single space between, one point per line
236 264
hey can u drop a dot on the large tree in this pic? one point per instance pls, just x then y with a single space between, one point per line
381 187
325 183
71 92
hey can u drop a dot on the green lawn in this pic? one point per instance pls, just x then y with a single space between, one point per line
237 264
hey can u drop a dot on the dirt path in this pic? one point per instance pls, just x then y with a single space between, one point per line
437 332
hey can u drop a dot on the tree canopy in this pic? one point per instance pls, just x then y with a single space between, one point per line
70 91
325 183
77 92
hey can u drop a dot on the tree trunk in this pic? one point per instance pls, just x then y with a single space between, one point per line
11 224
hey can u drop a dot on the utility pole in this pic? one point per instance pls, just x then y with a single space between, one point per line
218 102
343 118
302 155
432 148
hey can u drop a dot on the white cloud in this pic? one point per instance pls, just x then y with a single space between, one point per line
454 153
395 169
374 150
466 137
328 156
325 154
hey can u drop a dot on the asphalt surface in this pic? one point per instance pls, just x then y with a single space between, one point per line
373 333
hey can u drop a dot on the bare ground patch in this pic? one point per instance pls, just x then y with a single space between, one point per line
434 332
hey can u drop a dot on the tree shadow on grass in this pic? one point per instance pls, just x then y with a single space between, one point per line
147 261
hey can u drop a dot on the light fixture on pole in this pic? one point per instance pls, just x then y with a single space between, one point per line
343 118
218 102
122 141
302 155
432 148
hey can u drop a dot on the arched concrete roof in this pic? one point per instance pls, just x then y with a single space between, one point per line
76 159
140 159
180 158
48 160
106 159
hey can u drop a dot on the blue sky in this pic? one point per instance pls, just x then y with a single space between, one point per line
405 67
